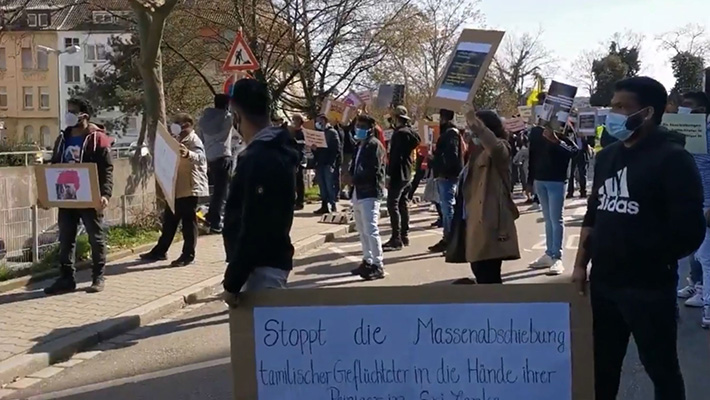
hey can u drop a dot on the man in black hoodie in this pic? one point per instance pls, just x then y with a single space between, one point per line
326 160
645 212
401 157
448 162
259 211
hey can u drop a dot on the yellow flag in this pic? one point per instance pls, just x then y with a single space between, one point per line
532 99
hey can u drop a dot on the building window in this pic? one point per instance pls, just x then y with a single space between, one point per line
3 62
44 98
45 136
3 97
102 17
42 60
96 52
27 58
32 20
72 74
28 98
69 42
43 20
29 132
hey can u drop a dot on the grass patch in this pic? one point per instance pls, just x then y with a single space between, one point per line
130 236
312 193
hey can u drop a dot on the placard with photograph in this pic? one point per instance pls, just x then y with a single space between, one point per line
166 162
587 121
68 185
558 104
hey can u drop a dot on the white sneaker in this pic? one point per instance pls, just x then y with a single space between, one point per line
557 268
697 299
534 207
688 291
543 262
706 318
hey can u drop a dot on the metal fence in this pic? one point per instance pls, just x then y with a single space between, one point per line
27 233
25 158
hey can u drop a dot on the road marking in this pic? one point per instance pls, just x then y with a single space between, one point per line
417 236
345 255
131 379
572 243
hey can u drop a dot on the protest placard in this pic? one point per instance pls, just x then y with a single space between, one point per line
557 105
525 112
166 161
314 138
693 126
514 124
68 185
587 121
336 111
531 342
465 70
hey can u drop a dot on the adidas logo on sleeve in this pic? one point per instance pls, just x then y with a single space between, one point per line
614 195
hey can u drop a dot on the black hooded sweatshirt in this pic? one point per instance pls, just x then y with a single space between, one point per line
646 211
259 210
402 145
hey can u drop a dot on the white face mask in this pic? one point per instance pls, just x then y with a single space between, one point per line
684 110
71 119
175 129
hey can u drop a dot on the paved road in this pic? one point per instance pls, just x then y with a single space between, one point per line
187 357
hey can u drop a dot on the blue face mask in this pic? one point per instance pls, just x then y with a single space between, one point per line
617 125
361 134
319 126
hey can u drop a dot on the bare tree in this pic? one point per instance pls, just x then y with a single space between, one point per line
521 59
581 71
692 39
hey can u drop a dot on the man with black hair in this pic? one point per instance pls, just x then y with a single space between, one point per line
327 160
302 162
216 134
259 211
645 212
399 169
82 142
448 162
367 172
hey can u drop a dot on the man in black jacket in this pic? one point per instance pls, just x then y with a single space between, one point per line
82 142
645 212
259 211
326 160
367 178
448 162
401 157
579 167
300 172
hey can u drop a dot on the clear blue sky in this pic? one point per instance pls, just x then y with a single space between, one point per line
571 26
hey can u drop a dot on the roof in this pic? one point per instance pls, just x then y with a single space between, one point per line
67 15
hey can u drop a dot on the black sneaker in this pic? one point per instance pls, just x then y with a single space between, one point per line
570 195
373 272
321 211
151 257
215 231
437 224
97 285
61 286
298 207
392 245
182 261
361 269
440 247
334 208
405 241
583 195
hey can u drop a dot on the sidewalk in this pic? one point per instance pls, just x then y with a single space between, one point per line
36 331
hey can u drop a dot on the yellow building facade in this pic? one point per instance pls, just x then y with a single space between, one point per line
29 87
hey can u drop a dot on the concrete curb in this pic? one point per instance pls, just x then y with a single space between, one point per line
64 347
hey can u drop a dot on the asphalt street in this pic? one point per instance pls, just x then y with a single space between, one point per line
187 357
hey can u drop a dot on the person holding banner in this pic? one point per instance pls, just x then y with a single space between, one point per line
81 142
367 176
645 212
191 184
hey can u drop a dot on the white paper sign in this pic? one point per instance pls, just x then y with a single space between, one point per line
506 351
166 161
693 126
587 121
315 138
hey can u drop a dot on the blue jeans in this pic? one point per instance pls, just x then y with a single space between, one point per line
703 257
263 278
367 214
325 177
552 201
447 200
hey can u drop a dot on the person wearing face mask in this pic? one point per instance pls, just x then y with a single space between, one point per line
401 159
190 185
82 142
645 212
326 160
367 173
259 212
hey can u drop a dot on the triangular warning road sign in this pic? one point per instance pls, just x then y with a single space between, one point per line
240 57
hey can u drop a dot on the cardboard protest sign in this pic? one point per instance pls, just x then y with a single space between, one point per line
336 111
525 112
68 185
468 64
558 104
313 137
366 96
693 126
531 342
515 124
353 100
587 121
167 150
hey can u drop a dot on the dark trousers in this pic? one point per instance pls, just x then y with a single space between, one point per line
185 212
337 180
300 185
325 176
649 315
398 210
487 271
218 172
579 165
68 223
418 176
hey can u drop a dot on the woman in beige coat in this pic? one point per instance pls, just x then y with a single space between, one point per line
484 233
